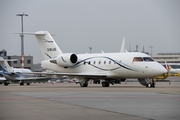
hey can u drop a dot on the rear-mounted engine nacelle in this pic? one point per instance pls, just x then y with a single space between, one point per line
65 60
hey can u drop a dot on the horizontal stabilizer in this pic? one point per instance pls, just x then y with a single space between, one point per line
33 33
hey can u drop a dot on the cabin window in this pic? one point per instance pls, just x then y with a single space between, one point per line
104 62
99 62
137 59
94 62
147 59
109 62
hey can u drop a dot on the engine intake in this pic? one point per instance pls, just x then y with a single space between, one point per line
65 60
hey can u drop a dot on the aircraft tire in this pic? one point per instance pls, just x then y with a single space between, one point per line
5 84
84 85
105 84
22 83
152 85
148 85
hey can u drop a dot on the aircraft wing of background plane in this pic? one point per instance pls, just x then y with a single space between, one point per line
2 78
20 77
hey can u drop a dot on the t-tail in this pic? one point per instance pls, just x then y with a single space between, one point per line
4 66
47 45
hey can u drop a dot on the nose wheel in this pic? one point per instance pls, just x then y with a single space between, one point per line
152 84
147 82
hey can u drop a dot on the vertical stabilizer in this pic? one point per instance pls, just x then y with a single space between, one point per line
123 45
4 66
47 45
168 67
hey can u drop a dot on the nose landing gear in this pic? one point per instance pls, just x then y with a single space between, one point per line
147 82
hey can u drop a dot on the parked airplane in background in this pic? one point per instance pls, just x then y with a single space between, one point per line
171 72
15 74
107 66
170 69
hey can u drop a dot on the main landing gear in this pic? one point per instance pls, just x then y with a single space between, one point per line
6 83
22 83
84 83
105 84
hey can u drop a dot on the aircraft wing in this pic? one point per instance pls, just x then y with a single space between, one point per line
2 78
30 78
93 75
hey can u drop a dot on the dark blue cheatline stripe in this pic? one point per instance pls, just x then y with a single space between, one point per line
105 69
63 59
120 65
47 55
4 70
49 41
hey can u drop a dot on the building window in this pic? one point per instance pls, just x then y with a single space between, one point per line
15 62
28 61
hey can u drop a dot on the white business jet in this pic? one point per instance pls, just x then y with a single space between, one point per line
107 66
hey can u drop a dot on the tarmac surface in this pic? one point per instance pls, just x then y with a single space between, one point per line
68 101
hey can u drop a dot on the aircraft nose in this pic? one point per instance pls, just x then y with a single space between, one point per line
161 70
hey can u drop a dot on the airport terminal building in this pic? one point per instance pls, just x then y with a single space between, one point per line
172 59
28 60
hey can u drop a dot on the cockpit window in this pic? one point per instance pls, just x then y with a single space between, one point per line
137 59
147 59
140 59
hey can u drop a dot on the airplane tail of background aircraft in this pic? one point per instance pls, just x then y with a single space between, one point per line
168 67
172 71
47 45
4 66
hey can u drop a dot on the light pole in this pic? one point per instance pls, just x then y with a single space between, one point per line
151 47
22 38
90 48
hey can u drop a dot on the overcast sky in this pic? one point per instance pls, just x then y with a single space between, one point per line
100 24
